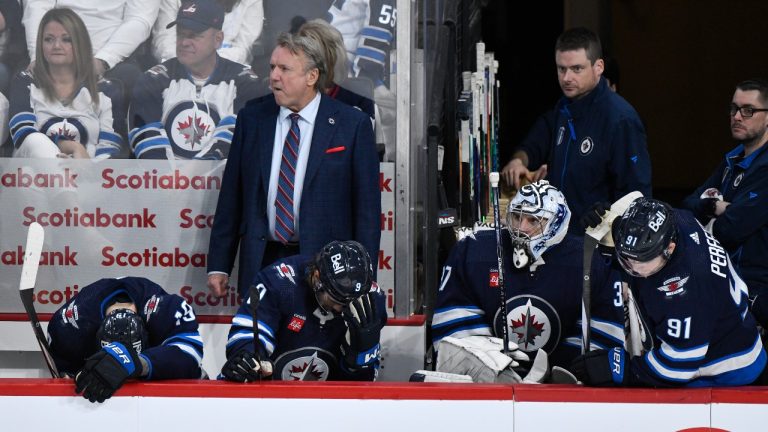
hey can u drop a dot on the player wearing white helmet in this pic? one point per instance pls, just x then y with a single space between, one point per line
542 278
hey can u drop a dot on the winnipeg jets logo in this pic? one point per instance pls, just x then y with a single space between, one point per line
150 306
70 315
190 9
586 146
738 179
695 237
65 128
194 131
285 271
190 127
533 323
304 364
673 286
560 134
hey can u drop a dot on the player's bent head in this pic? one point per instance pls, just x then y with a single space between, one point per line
645 237
123 325
537 218
343 272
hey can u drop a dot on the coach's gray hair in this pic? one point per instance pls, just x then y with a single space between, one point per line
312 50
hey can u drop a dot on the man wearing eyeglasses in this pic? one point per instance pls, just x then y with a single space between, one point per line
732 201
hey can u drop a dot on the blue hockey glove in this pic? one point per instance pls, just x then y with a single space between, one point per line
106 371
361 345
600 368
594 215
243 367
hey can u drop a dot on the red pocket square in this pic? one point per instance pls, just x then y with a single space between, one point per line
335 149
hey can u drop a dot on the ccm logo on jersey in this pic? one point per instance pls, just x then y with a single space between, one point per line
337 266
673 286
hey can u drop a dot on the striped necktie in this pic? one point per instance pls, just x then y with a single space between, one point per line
284 223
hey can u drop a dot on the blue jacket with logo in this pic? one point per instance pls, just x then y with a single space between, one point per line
595 148
743 228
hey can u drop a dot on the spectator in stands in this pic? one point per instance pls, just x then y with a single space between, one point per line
185 108
61 108
283 16
116 27
13 48
368 29
243 22
335 56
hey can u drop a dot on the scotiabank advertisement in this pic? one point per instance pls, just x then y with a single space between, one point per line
116 218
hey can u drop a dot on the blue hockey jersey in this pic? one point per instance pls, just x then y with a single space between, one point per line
543 306
303 342
175 348
695 309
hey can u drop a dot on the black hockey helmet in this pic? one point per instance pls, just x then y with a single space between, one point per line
345 270
644 232
124 326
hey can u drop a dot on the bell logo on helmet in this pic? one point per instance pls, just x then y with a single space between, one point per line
654 224
338 267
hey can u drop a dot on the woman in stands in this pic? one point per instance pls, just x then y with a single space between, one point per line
60 108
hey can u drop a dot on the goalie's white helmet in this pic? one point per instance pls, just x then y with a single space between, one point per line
537 219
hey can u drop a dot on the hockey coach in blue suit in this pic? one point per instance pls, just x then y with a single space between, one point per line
302 171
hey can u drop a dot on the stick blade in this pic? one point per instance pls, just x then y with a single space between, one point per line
33 250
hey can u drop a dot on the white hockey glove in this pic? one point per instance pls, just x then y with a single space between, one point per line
481 358
441 377
602 232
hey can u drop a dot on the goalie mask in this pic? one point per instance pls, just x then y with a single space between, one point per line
537 219
124 326
345 271
643 235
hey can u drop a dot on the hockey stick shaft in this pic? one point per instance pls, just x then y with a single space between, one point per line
32 251
494 181
253 304
590 244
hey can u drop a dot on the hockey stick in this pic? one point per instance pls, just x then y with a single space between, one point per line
32 251
598 234
253 305
493 178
